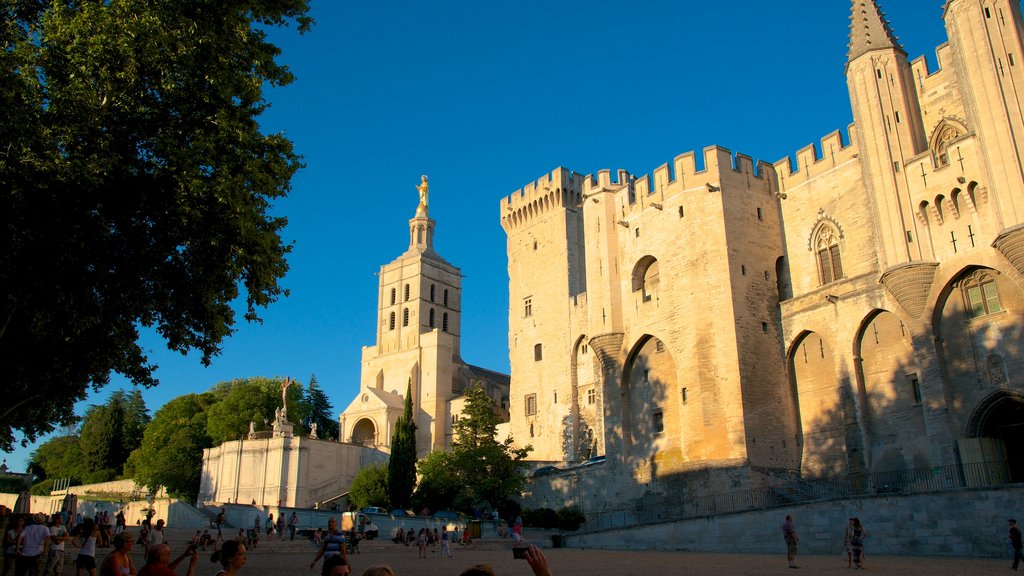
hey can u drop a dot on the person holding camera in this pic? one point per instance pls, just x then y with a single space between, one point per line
158 561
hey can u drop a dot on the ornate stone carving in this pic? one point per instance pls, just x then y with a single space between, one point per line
909 284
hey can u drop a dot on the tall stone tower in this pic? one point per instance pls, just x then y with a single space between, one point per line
889 128
419 309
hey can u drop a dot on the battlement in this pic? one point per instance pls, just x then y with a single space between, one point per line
716 161
561 188
812 161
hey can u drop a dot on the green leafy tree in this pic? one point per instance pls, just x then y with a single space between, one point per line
490 470
440 484
171 454
402 463
59 457
370 487
131 127
237 402
317 409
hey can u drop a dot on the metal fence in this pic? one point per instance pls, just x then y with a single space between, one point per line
792 489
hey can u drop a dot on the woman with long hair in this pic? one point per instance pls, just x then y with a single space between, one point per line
231 557
86 535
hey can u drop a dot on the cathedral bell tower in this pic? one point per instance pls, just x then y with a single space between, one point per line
889 129
419 305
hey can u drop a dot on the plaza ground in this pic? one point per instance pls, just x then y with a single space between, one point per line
292 558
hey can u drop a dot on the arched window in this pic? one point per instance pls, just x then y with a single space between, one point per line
826 247
394 296
432 292
446 297
944 133
406 292
646 277
431 317
444 322
405 317
981 296
391 323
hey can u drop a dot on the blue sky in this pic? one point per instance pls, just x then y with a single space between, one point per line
485 97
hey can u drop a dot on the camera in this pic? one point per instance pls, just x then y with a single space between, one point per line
519 553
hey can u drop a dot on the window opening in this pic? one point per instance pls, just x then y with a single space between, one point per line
830 264
432 287
528 307
591 396
444 322
405 317
658 422
391 323
394 296
406 292
538 352
431 317
981 296
531 404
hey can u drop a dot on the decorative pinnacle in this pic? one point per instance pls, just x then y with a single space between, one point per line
869 30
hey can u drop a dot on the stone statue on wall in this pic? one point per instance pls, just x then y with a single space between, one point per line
252 429
284 399
424 190
312 431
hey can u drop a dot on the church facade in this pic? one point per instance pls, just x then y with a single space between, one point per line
859 311
419 304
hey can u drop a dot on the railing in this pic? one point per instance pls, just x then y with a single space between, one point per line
794 489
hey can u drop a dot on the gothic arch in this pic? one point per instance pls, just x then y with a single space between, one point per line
994 439
650 403
816 408
646 277
583 431
945 132
889 393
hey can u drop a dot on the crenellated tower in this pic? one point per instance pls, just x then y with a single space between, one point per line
547 269
986 36
889 128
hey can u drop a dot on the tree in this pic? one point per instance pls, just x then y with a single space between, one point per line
171 454
370 487
110 432
317 409
489 470
59 457
136 189
402 463
237 402
440 483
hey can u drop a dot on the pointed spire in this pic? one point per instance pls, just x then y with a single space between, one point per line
869 30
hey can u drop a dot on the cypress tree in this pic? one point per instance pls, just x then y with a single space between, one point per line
402 464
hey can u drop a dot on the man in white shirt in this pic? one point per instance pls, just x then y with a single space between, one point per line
58 536
31 544
156 535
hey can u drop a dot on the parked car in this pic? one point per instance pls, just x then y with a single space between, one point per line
373 510
448 515
400 513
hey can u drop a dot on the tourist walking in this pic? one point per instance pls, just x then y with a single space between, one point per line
1015 543
231 557
857 537
445 548
421 542
31 544
332 550
58 536
792 540
293 523
158 561
11 544
221 519
86 538
280 527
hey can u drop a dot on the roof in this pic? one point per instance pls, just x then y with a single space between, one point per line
869 30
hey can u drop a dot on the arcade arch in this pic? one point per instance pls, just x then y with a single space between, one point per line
364 432
819 421
651 404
